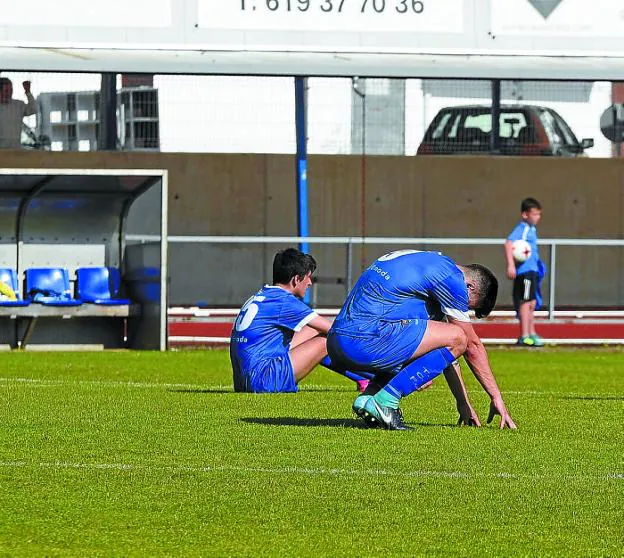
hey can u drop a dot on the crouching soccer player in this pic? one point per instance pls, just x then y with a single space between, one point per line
277 339
391 324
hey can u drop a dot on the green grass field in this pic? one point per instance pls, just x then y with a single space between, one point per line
148 454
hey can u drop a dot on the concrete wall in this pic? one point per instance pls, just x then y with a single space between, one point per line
220 194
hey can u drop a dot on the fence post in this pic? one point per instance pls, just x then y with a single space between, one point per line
349 274
551 282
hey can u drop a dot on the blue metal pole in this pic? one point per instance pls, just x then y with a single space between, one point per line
302 161
303 229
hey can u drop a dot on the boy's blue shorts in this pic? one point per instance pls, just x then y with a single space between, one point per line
275 375
387 349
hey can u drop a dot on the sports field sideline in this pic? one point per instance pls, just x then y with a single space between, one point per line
147 454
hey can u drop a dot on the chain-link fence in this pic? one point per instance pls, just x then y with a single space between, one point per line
376 116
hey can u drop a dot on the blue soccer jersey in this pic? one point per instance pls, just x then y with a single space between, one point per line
262 334
403 285
524 231
385 316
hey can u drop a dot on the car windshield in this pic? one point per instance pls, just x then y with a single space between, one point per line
557 128
477 122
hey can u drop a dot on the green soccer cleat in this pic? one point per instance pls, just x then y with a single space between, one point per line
526 341
384 417
537 340
358 409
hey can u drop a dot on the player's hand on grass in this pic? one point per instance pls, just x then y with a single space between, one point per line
497 407
467 415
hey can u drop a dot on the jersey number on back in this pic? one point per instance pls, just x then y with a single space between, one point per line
397 254
248 313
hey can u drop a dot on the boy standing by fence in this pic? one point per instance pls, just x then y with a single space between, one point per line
526 275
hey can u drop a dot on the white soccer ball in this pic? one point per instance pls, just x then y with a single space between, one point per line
521 250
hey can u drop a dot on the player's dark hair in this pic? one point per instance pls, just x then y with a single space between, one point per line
528 204
487 286
290 263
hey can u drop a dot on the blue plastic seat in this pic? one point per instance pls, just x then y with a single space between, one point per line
49 286
99 285
9 277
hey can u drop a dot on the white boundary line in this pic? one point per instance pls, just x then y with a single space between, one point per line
304 471
40 382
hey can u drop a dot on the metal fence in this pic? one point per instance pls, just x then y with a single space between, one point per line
350 115
349 243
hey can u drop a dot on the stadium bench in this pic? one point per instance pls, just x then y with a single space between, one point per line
99 285
9 277
49 286
50 297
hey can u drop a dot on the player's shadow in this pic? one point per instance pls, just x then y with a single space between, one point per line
435 424
207 390
335 423
295 421
225 390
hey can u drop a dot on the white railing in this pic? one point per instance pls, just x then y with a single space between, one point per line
350 241
199 312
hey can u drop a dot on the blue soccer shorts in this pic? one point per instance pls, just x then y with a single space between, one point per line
387 349
274 375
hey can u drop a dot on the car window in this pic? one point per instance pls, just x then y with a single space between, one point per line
560 128
452 125
510 123
555 133
481 121
438 132
447 126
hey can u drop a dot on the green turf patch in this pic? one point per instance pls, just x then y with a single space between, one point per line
149 454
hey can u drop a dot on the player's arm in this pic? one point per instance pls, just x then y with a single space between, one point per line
455 381
511 265
320 324
477 359
31 106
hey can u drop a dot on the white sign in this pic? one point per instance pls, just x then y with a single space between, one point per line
595 18
82 13
364 16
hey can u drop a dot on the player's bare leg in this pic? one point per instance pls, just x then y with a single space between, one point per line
441 334
440 346
309 348
526 314
303 335
306 355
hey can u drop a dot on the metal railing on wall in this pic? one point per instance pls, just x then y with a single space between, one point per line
350 242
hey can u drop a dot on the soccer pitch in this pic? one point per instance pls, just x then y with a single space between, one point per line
148 454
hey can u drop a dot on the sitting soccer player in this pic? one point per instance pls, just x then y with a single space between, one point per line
391 324
277 339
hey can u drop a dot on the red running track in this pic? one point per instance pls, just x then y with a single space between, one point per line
572 329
